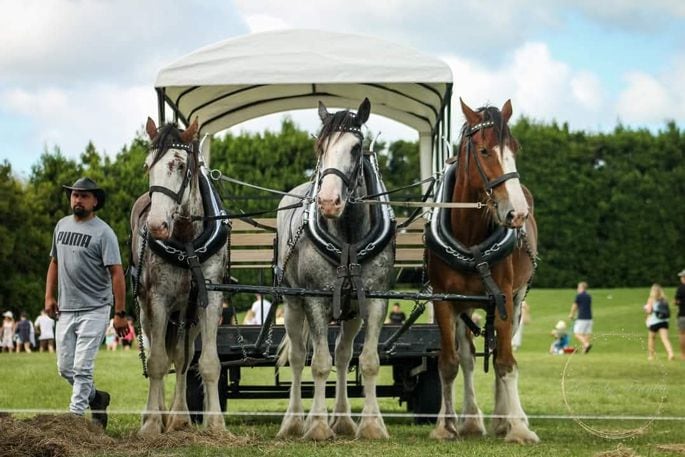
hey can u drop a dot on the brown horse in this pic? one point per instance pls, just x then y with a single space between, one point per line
485 171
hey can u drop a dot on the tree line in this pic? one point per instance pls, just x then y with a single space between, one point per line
609 206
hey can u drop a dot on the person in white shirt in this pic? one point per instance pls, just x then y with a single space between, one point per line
258 311
46 326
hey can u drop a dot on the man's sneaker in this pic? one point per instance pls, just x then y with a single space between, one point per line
98 408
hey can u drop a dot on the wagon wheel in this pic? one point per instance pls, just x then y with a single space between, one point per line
427 396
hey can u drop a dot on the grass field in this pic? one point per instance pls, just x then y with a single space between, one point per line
614 398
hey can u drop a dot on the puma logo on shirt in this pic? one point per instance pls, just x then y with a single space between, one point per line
73 239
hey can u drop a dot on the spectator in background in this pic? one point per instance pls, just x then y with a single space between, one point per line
396 315
581 311
258 311
24 333
680 303
111 340
7 339
656 322
127 340
561 339
228 316
46 331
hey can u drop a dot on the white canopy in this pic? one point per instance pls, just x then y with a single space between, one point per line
251 76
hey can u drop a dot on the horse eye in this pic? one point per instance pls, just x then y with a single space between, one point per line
484 151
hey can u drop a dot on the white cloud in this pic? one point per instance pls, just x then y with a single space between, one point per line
106 114
651 100
540 87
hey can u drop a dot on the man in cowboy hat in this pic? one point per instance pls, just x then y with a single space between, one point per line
85 267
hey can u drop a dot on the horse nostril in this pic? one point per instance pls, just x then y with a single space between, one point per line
337 201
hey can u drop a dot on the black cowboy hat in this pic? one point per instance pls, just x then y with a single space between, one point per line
88 185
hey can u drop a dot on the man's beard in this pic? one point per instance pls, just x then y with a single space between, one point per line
80 211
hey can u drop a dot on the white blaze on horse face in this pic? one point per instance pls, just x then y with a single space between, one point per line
516 211
168 172
337 154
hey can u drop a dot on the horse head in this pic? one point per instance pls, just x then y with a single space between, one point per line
172 164
489 150
340 156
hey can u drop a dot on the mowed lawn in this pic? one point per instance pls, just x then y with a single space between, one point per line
610 399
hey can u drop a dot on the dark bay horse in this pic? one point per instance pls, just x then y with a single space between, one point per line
170 316
343 173
485 171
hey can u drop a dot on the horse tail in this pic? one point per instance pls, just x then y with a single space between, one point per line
284 345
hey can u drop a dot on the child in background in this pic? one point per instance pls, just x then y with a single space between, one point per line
561 338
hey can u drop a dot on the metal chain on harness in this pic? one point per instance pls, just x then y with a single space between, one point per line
136 282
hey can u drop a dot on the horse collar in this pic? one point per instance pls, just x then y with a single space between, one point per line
382 230
441 242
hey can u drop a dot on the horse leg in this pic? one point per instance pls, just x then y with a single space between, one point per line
179 417
448 366
371 425
157 367
295 323
209 365
471 420
317 428
510 420
342 423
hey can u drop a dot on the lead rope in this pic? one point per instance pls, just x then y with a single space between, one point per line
136 282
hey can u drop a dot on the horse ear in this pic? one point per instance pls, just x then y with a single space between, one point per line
189 133
323 112
151 128
506 111
363 111
472 117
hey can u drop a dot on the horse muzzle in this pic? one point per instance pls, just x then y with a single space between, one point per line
159 231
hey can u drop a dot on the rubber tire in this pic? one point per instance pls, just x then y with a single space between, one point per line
427 395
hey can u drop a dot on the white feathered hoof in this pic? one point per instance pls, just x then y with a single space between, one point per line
291 427
319 431
521 434
445 430
152 426
178 422
372 428
344 425
472 426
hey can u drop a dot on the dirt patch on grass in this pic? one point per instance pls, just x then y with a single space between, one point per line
67 435
620 451
676 448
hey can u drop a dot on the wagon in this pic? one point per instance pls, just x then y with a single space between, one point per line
248 77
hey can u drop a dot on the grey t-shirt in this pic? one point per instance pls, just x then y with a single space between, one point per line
83 250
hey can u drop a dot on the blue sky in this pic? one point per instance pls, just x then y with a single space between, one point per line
78 71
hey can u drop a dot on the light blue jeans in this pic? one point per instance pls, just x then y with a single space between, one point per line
78 336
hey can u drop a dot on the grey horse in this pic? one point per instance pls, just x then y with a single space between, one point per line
339 148
164 288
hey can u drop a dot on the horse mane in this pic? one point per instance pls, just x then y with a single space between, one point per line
337 122
167 135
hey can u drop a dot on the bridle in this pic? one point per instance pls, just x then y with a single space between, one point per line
190 166
350 180
490 184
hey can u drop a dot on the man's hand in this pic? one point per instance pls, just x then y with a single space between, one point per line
51 307
121 326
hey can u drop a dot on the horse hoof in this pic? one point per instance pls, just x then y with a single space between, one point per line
151 428
444 432
291 428
215 423
344 425
176 423
472 427
521 435
372 430
319 431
